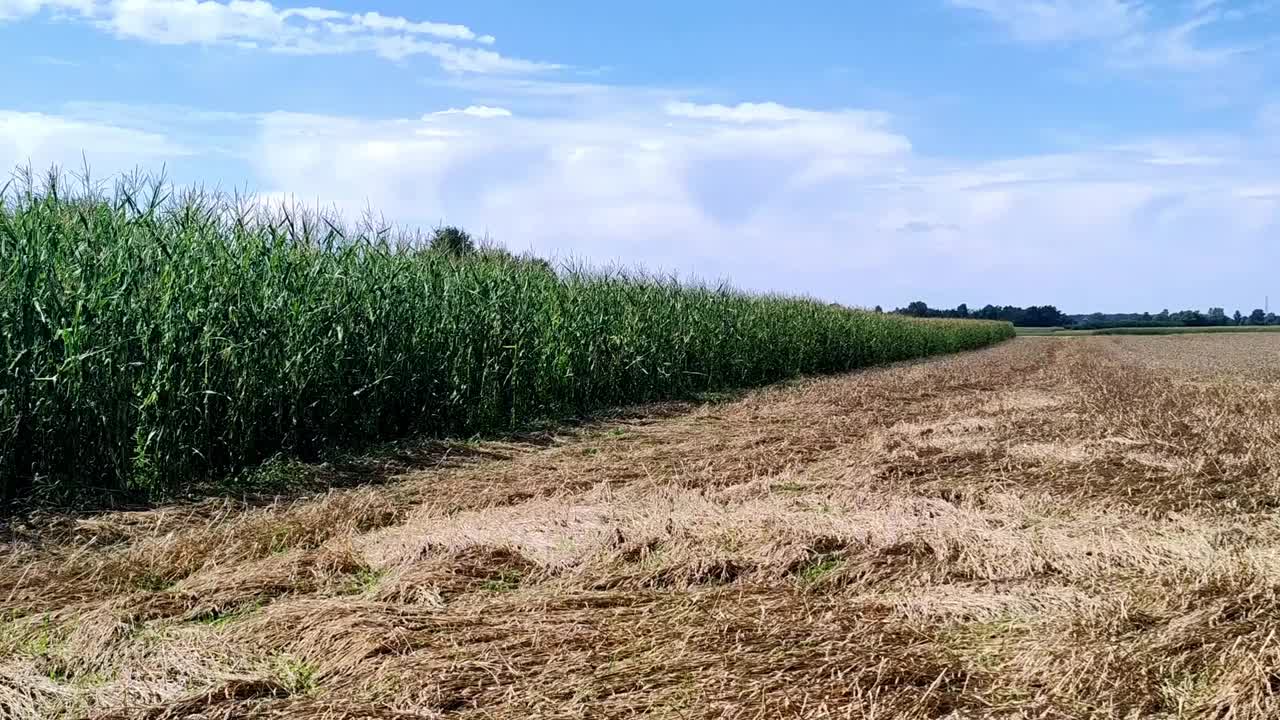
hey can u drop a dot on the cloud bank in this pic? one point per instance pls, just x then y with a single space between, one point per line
298 31
836 201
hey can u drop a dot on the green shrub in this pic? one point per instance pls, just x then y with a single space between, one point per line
452 240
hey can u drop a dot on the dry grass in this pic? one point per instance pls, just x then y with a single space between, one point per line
1055 528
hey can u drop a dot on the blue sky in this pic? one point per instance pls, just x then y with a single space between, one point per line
1096 154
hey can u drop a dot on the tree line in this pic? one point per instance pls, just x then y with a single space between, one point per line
1050 316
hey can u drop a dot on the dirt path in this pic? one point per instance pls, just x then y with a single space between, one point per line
1057 527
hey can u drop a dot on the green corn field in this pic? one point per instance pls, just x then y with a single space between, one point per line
148 338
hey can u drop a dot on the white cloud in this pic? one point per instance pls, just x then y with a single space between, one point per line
647 187
740 113
205 21
299 31
18 9
1054 21
378 22
194 21
473 60
479 111
835 203
42 140
1127 31
1173 48
1260 192
1204 152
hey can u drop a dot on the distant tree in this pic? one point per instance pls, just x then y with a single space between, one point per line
879 309
1050 316
988 312
1033 316
536 262
1258 317
1042 316
452 240
917 309
1272 319
1192 318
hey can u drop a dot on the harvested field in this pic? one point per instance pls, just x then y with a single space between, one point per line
1051 528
